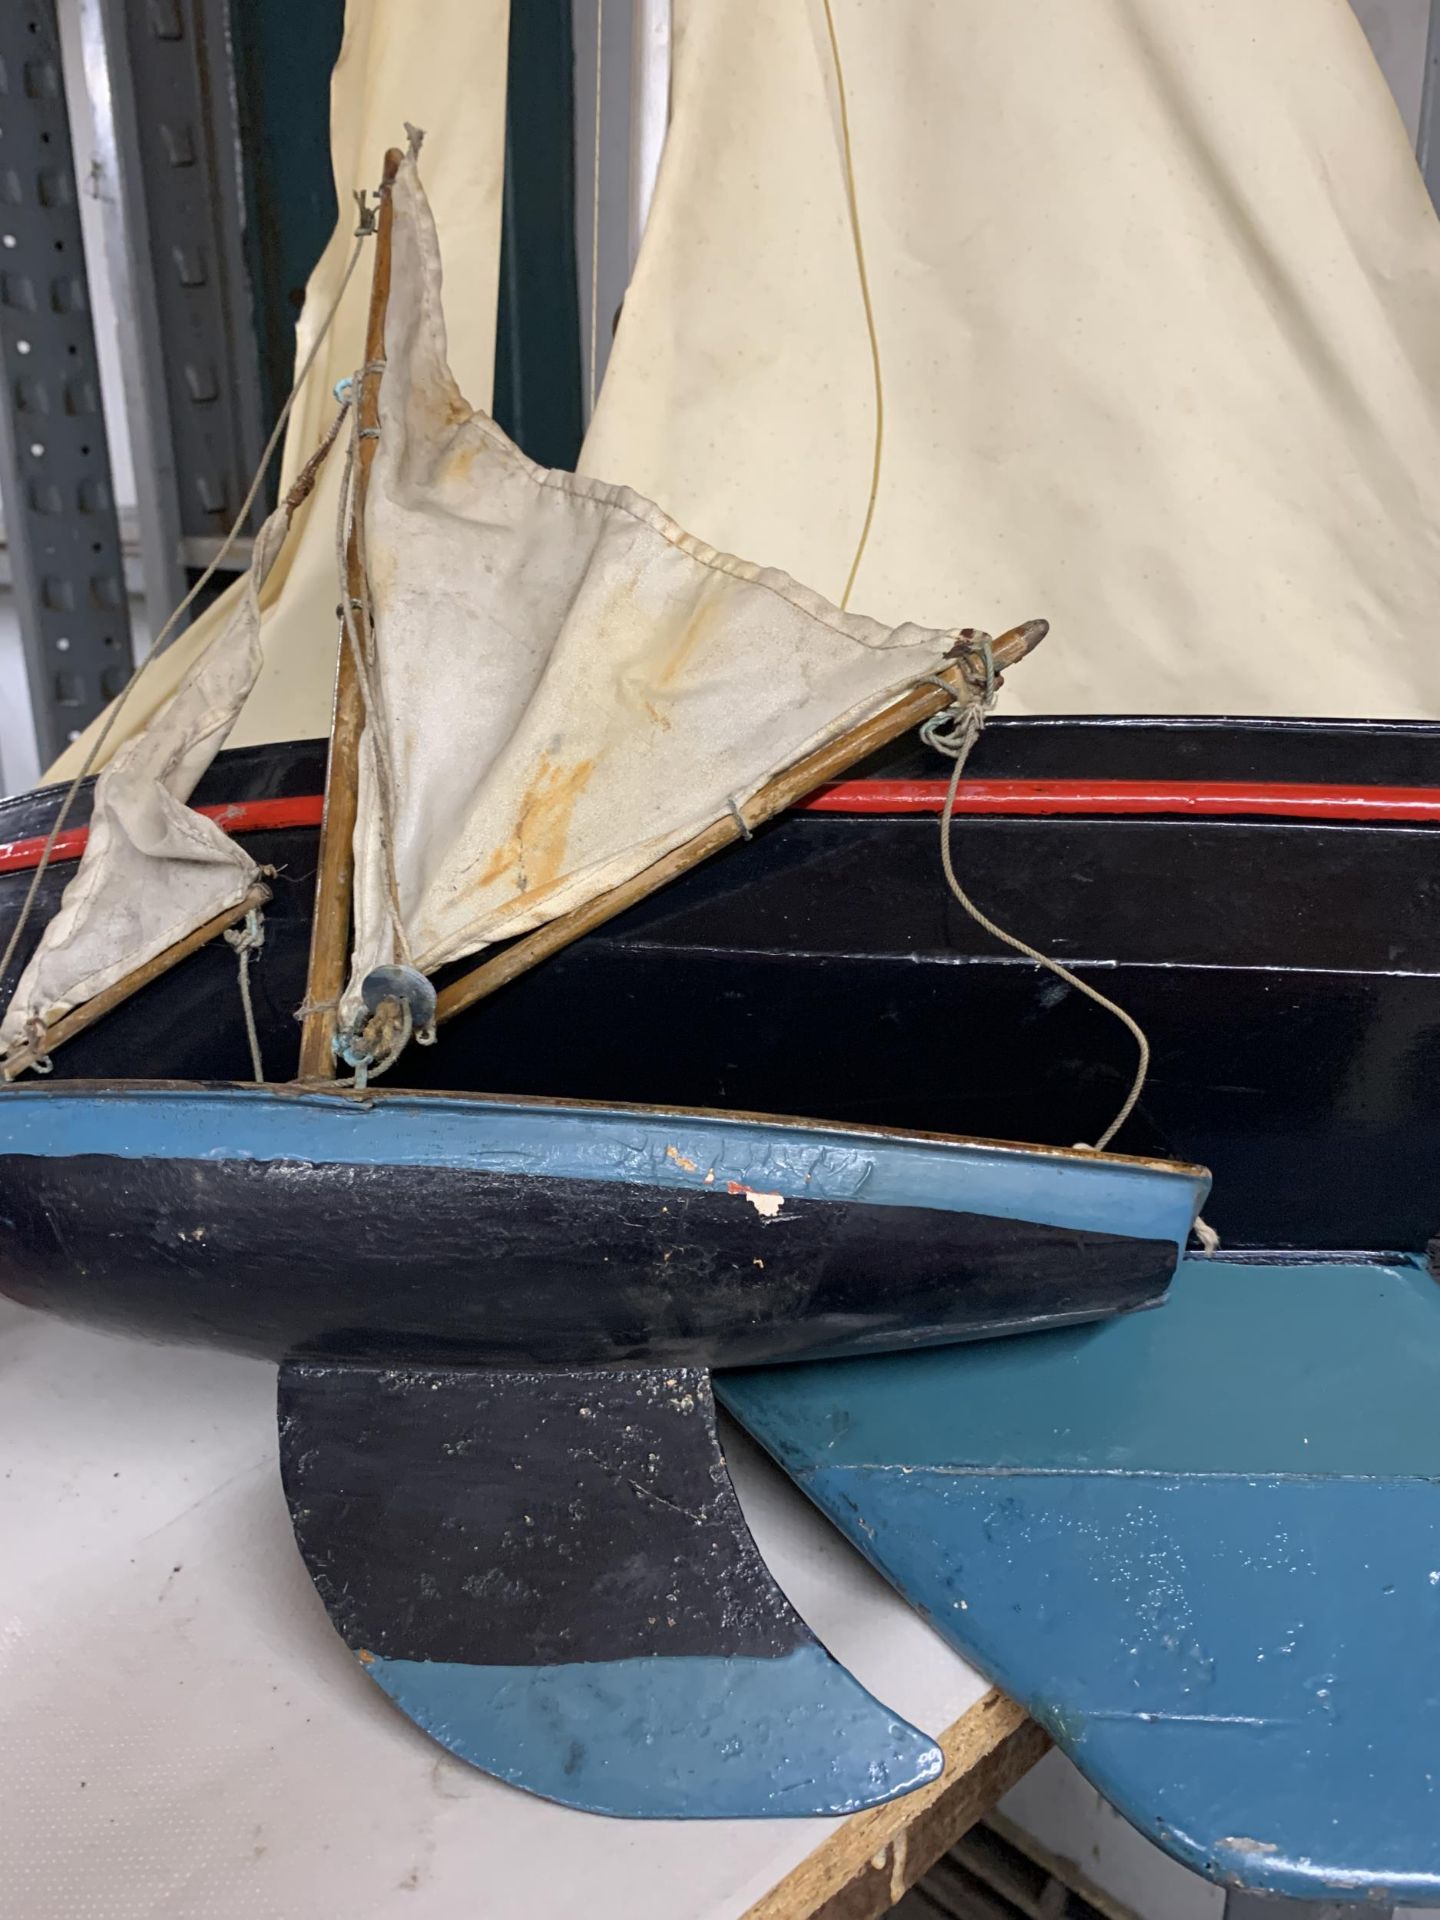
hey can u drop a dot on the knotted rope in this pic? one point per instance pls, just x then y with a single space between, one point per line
953 731
246 940
35 1036
379 1042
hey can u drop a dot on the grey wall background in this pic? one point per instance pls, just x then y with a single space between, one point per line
1396 29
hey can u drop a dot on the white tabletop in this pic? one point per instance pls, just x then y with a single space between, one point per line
182 1734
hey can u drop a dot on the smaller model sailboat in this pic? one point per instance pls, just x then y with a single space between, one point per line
496 1317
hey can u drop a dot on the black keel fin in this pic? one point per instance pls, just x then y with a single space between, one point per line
550 1573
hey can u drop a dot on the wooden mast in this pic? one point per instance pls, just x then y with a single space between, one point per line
827 763
335 878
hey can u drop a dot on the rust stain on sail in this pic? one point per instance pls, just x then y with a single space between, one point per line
455 464
698 629
535 852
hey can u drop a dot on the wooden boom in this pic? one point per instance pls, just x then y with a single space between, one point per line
912 709
79 1018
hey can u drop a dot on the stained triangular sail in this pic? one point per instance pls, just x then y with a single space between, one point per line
565 684
259 664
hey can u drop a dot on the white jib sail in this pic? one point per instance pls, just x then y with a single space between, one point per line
566 683
153 869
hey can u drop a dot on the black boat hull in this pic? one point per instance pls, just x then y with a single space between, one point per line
507 1234
1287 971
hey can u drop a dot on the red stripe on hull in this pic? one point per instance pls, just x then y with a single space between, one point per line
1198 799
1214 799
235 816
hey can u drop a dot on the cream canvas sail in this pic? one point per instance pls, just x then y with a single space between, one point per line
259 665
153 869
566 683
1157 290
561 685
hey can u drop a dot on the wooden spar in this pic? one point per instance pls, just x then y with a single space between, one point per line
82 1017
912 709
335 878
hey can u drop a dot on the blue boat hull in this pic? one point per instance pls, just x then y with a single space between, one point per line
1202 1546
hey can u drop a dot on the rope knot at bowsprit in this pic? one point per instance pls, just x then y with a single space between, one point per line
954 730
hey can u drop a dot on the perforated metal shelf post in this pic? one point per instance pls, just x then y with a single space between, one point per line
60 520
178 147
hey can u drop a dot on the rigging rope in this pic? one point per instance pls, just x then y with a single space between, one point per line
853 205
376 1047
955 729
167 633
350 525
953 732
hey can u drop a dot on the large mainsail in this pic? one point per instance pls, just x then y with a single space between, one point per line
566 683
1157 289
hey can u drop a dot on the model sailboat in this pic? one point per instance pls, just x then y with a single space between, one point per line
497 1316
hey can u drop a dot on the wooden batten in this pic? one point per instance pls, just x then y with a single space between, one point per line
335 878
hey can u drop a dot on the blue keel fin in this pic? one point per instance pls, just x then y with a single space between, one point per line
549 1572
